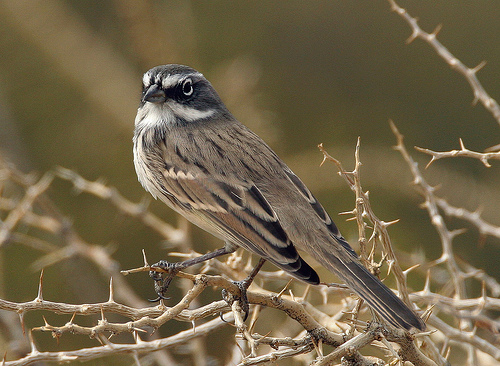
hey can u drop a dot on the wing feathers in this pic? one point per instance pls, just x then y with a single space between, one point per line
320 211
242 213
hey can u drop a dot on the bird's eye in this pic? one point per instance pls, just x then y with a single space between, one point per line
187 87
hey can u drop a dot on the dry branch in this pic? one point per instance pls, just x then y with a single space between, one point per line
470 74
463 152
144 319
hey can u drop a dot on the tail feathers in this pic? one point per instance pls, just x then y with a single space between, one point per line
374 292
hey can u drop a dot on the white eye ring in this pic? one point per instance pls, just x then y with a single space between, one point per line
187 87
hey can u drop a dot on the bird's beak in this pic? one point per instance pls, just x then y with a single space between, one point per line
154 94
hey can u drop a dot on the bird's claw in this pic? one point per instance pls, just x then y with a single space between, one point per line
162 279
243 285
241 298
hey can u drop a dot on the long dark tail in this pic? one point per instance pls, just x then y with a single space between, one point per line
372 290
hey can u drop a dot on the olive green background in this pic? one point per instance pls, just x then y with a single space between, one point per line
298 73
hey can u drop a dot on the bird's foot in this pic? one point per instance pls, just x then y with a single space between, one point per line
243 286
169 270
241 298
163 278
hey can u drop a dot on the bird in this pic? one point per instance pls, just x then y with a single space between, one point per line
195 156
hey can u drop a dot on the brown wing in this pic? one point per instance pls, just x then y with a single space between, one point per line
237 212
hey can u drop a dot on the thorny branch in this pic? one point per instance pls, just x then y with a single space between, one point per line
313 320
364 210
139 211
470 74
474 218
430 204
460 271
144 319
109 349
467 322
463 152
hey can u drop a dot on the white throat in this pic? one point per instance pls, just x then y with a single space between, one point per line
150 115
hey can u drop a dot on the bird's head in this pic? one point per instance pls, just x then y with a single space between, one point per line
176 95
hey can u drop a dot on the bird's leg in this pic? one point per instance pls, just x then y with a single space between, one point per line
163 279
243 285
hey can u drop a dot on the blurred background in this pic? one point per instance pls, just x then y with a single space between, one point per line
298 73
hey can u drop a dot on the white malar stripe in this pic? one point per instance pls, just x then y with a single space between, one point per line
152 115
189 114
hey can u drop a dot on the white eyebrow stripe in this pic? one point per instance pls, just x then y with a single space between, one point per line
145 78
173 80
168 81
189 114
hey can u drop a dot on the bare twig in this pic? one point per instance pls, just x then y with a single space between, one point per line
468 321
99 189
109 349
474 218
437 220
24 206
464 152
480 93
